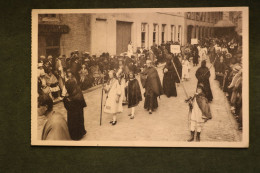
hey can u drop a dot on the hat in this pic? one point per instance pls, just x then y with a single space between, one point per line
229 55
237 68
120 59
42 73
40 64
50 57
86 53
148 61
42 57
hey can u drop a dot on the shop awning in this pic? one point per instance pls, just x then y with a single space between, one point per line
51 28
224 24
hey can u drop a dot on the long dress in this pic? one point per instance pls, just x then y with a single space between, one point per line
203 74
74 104
212 53
134 93
113 90
185 69
153 87
195 55
169 80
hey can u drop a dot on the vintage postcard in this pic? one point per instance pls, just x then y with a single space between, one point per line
151 77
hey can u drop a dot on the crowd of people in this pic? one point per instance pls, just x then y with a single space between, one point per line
64 78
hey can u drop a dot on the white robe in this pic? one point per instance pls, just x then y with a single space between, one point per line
114 90
185 69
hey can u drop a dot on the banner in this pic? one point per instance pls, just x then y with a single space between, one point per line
175 49
194 41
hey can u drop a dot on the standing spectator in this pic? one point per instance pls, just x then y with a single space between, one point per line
75 68
84 83
130 49
53 83
220 69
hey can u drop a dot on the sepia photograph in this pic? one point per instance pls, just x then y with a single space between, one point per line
151 77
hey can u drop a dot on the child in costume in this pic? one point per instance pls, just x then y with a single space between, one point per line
200 113
134 94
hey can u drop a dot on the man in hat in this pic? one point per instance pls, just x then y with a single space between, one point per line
200 113
75 68
151 82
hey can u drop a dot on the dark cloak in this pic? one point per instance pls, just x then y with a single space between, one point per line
74 105
169 79
134 93
153 88
150 79
195 55
55 128
203 74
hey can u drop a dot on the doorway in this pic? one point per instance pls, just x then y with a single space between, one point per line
123 36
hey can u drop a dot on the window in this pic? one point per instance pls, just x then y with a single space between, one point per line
143 35
172 33
188 15
163 33
155 30
179 34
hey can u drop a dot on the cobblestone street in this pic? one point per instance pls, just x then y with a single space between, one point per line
168 123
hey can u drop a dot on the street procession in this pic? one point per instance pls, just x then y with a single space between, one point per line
165 83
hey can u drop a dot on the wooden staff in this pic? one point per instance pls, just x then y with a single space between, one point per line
182 84
101 106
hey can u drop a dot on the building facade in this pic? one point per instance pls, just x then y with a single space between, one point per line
98 33
201 24
60 34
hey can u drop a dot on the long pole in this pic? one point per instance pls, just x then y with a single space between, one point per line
101 106
182 84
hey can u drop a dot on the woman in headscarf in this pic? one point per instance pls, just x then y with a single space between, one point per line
74 103
203 74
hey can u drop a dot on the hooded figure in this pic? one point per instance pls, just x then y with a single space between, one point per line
170 78
203 74
153 88
74 104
